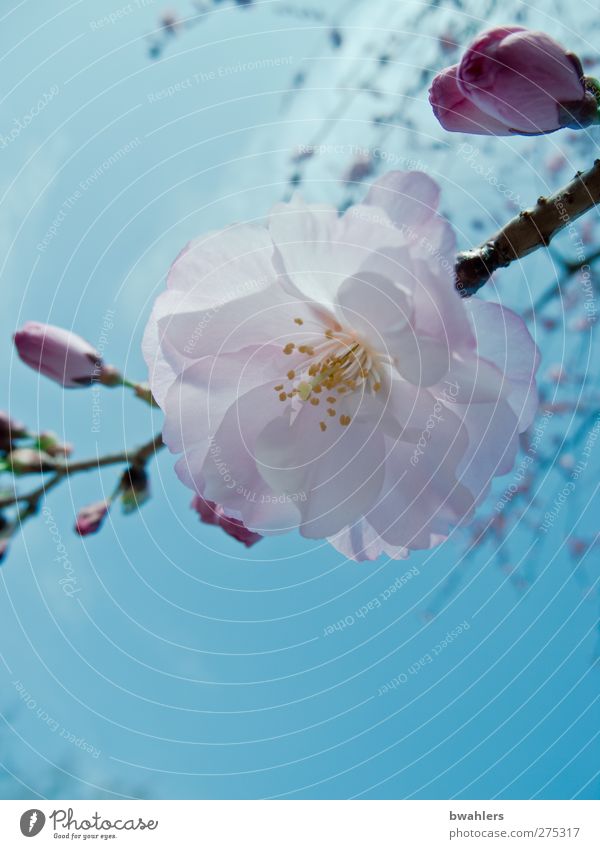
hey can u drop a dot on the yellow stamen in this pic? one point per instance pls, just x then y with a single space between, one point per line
298 321
345 420
322 425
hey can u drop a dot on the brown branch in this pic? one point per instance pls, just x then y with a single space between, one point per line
531 229
137 457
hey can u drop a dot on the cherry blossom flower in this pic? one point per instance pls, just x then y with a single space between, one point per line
320 372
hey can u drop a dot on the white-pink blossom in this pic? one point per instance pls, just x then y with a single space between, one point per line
320 372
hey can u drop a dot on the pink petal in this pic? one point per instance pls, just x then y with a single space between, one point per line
262 318
339 471
410 198
504 339
224 264
374 306
361 542
229 472
318 250
456 112
199 398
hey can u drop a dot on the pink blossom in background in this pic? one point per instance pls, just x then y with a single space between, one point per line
513 80
320 372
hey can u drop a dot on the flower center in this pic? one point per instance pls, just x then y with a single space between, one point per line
337 363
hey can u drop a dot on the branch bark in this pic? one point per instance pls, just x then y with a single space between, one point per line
137 457
528 231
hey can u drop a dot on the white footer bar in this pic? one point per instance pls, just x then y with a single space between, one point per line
302 824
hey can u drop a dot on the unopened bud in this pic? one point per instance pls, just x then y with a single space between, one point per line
90 518
135 488
59 354
51 444
24 461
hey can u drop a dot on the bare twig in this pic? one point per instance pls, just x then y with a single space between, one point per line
137 457
531 229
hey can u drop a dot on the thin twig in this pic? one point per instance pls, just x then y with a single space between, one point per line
138 457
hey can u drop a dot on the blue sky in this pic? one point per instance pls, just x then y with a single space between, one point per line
185 666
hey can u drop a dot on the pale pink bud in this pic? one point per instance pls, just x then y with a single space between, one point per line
212 514
26 461
58 354
526 81
90 518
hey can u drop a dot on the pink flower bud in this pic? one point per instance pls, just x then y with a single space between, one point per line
522 81
90 518
457 113
58 354
212 514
